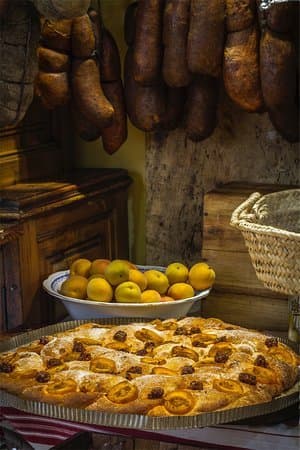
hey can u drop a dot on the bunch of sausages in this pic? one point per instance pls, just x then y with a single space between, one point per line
179 51
79 63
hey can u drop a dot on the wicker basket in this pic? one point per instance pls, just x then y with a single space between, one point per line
270 225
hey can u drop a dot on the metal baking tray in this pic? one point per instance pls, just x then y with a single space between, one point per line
115 420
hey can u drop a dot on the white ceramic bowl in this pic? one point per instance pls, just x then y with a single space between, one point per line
88 309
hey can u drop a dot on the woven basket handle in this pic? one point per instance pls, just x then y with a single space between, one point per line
244 210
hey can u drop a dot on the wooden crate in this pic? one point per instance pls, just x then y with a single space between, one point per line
238 295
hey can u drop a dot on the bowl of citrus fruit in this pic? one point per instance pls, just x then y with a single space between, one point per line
120 288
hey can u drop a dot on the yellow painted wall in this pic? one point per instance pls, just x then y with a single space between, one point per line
131 155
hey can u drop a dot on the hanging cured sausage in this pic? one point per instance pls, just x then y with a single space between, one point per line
206 37
241 71
175 31
201 108
279 83
147 55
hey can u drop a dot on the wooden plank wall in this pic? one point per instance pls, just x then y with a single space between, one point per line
238 295
244 148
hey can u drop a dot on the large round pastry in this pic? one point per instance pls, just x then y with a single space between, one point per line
159 368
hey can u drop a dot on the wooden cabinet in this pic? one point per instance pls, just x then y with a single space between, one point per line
60 214
81 215
10 295
35 148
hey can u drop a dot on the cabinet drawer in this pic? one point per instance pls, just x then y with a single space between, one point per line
67 234
73 213
92 239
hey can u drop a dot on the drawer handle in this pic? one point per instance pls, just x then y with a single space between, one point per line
13 287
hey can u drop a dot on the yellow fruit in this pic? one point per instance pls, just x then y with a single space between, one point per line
98 266
81 267
116 272
128 292
179 291
74 286
201 276
96 275
150 296
177 273
99 290
130 264
166 298
138 277
157 280
179 402
123 392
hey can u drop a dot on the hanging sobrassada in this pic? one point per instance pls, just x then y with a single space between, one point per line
86 86
240 14
52 82
175 32
200 116
278 65
241 71
147 55
206 37
279 82
115 134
